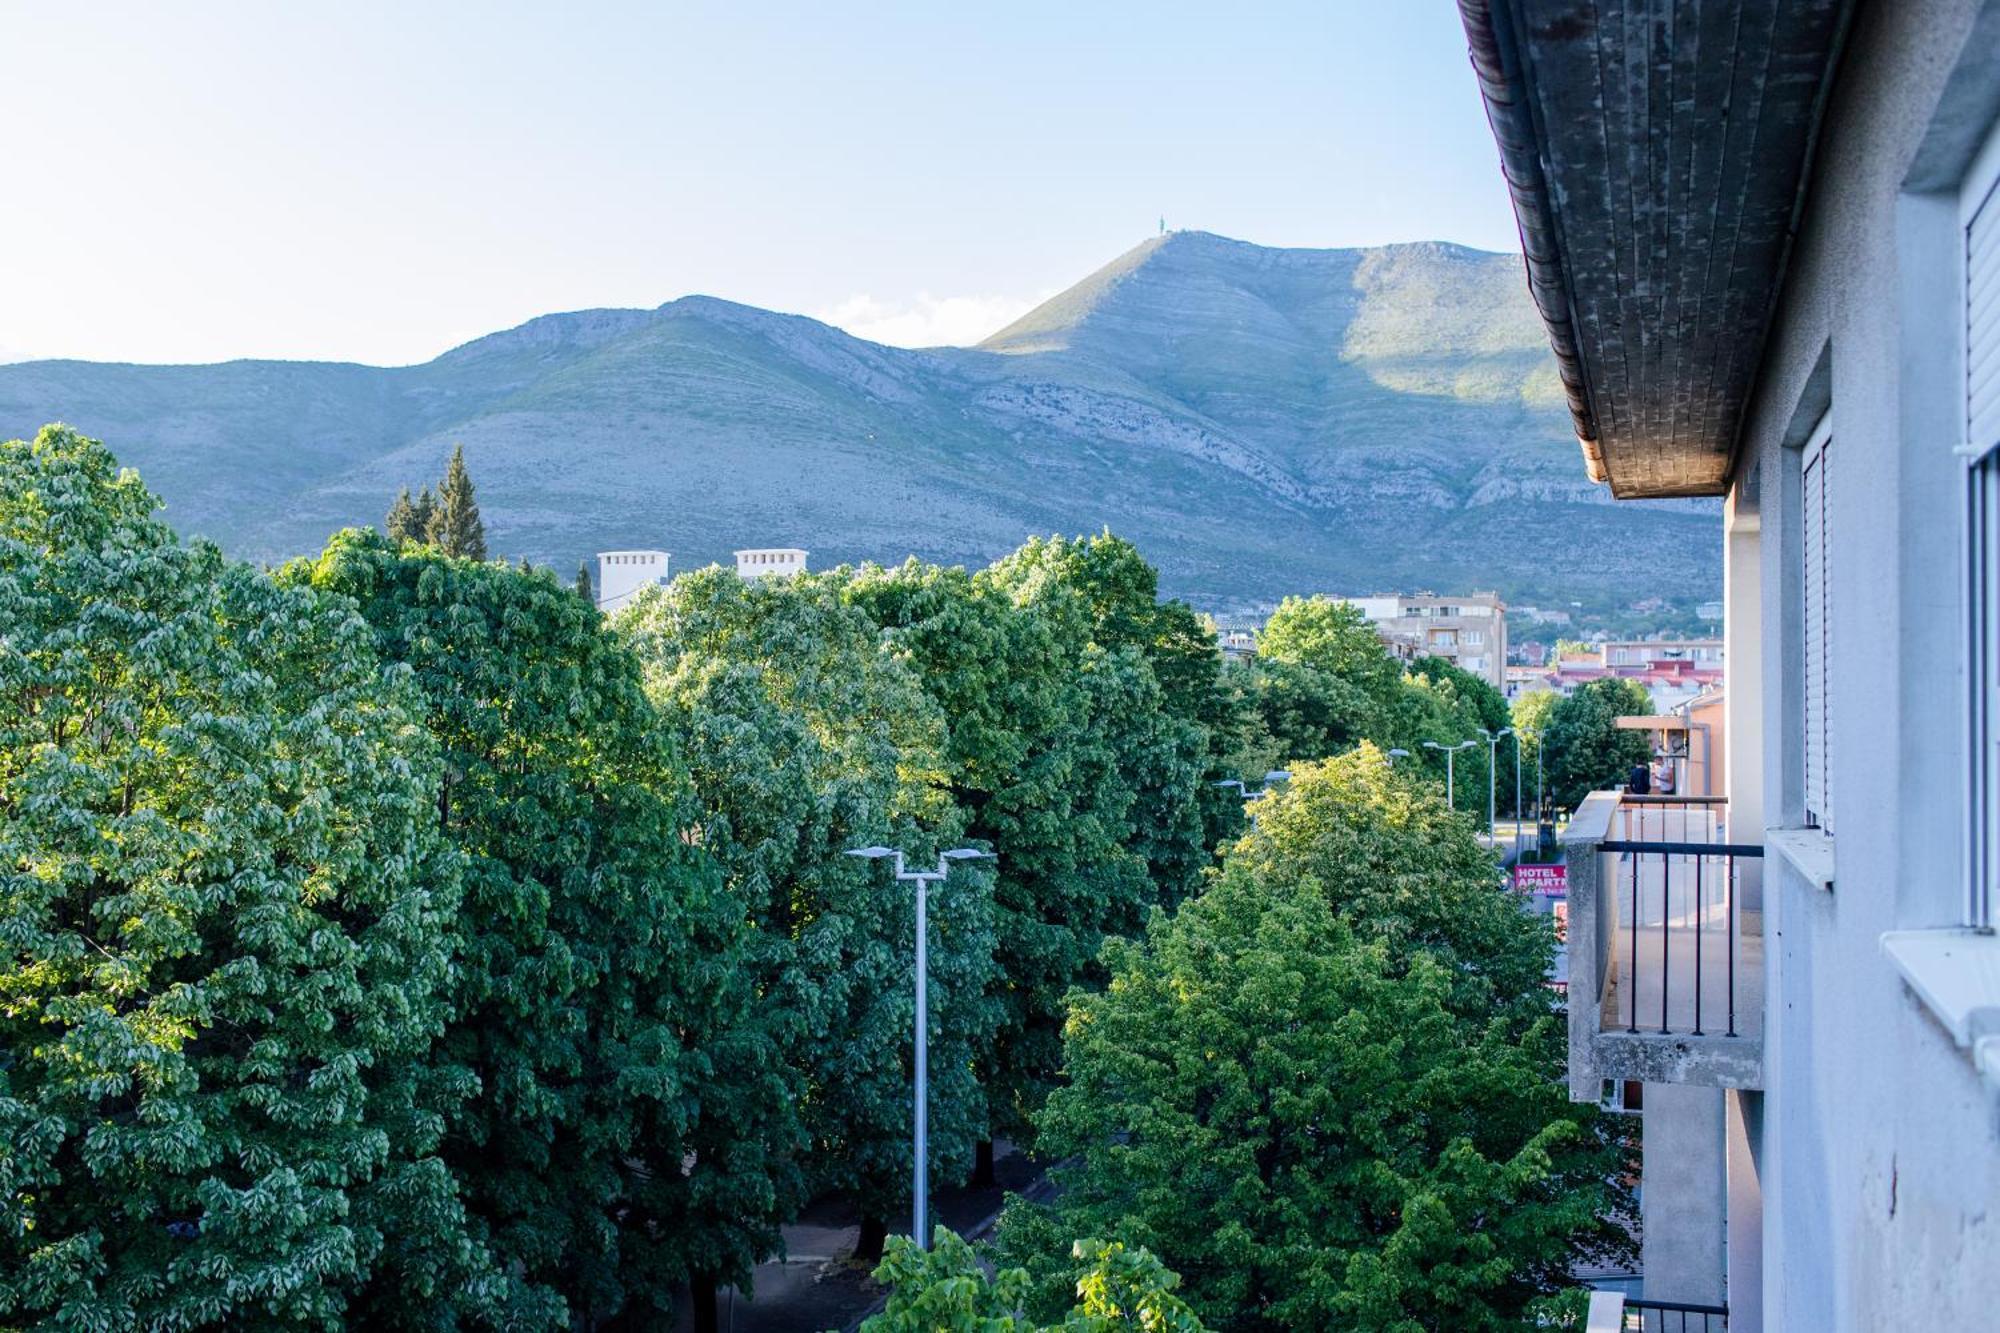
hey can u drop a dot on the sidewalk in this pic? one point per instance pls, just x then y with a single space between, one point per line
818 1287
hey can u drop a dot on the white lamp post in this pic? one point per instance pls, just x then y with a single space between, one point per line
1493 739
920 1183
1450 768
1276 775
1397 753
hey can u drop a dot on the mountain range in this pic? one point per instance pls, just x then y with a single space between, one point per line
1260 421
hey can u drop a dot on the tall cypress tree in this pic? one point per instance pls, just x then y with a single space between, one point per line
456 528
583 584
401 524
422 511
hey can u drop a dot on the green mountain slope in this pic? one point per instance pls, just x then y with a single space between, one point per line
1261 421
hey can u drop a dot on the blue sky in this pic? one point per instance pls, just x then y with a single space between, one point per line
379 182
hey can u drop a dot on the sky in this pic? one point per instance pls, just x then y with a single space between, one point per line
381 182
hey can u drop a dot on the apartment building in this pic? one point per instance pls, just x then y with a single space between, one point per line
1469 631
621 574
770 562
1764 236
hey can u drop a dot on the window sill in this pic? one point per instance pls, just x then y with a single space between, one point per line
1956 973
1809 851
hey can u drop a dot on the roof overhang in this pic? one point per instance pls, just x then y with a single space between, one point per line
1657 153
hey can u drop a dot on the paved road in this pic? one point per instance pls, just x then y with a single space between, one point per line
818 1286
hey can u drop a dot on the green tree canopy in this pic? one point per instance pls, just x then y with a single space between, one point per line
584 587
226 916
1040 783
1584 749
1334 636
1154 675
620 1142
946 1288
808 737
1321 1099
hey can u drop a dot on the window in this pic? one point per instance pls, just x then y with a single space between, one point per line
1979 214
1816 565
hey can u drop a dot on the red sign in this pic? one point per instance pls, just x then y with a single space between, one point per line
1543 881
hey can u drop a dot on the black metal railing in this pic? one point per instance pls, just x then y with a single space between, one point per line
1682 885
1674 1317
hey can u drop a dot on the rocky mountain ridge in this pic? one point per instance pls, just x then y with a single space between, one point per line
1260 421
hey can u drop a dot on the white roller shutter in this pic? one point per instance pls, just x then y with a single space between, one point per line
1979 210
1982 324
1816 560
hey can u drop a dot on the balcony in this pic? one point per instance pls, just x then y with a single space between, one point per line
1666 947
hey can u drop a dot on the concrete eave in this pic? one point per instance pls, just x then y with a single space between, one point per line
1657 154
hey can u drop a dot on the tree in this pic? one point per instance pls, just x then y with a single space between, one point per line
1584 749
227 918
946 1288
1322 1096
1531 716
1155 676
621 1139
454 527
423 510
807 737
1448 704
402 524
1039 781
1335 637
584 589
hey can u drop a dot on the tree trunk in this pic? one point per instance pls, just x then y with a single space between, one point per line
874 1234
982 1166
702 1290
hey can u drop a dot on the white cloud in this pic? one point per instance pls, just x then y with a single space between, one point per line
926 320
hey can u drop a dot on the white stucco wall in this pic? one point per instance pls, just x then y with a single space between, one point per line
1878 1147
621 574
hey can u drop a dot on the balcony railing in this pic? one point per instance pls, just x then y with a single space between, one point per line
1612 1313
1665 944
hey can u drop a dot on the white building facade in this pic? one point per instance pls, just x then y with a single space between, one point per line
1823 1143
1469 631
622 574
770 562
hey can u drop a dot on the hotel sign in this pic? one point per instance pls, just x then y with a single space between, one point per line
1542 881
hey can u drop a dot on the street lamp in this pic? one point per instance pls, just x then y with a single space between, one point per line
922 879
1398 753
1276 775
1493 739
1450 777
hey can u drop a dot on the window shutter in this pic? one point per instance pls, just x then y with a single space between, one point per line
1982 325
1816 558
1982 536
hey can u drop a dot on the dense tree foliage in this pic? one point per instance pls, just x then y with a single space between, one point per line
617 1143
394 942
1584 749
226 916
1153 674
1061 680
1327 1091
1322 683
808 737
947 1288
